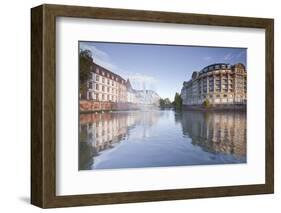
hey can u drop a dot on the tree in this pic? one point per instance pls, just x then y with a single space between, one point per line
177 101
85 64
161 103
165 103
206 103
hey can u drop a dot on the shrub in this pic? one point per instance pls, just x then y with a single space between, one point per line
206 103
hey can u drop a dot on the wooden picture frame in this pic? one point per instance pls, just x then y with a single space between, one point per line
43 105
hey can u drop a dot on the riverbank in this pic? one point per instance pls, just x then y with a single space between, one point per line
218 107
90 106
86 106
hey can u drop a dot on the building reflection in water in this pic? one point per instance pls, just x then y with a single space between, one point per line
214 132
102 131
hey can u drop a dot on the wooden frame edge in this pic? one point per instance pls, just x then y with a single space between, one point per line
36 106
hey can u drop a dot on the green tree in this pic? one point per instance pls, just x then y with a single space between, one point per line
165 103
206 103
177 101
161 103
85 64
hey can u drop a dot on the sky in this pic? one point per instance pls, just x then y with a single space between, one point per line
162 68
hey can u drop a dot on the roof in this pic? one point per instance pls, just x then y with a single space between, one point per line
128 84
216 66
107 72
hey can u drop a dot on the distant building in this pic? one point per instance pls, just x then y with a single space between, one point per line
131 94
147 97
218 83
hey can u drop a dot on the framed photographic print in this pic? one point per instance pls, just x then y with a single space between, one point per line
136 106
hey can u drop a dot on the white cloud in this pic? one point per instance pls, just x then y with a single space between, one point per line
207 58
242 53
100 57
138 80
229 56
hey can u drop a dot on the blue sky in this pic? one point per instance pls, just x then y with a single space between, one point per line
162 68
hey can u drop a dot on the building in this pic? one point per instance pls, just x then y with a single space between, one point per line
219 84
105 85
131 93
147 97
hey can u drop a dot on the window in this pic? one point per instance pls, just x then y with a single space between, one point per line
107 89
97 87
108 81
93 95
103 88
102 80
90 86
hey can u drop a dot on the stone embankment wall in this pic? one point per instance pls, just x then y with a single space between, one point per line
217 107
96 106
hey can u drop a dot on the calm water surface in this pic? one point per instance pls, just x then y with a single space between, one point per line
155 138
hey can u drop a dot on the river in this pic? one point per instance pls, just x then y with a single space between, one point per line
161 138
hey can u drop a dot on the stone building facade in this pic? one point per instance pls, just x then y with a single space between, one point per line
105 85
107 90
219 84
